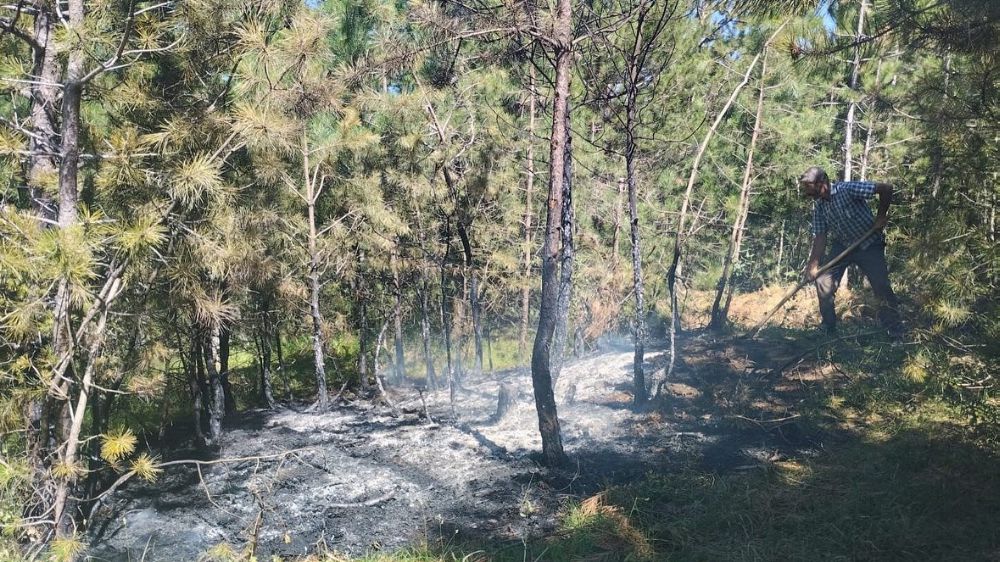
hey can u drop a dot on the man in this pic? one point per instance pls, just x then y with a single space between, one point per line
841 215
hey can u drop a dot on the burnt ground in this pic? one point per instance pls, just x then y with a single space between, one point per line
364 477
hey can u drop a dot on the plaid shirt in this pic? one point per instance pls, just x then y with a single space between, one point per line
846 215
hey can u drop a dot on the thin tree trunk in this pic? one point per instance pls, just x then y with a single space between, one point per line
62 341
541 374
616 234
487 335
281 362
44 100
216 408
720 313
567 260
266 392
635 68
853 84
397 318
64 505
225 338
425 334
363 341
446 323
781 247
673 271
198 387
319 361
528 214
473 289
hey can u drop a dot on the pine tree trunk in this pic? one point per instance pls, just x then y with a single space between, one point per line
781 249
319 360
638 288
44 99
446 323
198 388
425 334
541 374
852 109
363 341
397 320
266 391
472 276
216 408
567 260
673 271
281 362
616 234
720 313
225 338
528 214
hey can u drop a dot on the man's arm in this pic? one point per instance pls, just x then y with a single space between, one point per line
884 192
812 266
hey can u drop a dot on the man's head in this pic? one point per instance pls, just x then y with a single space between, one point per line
814 183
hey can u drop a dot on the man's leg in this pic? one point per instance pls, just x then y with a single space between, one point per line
872 262
826 288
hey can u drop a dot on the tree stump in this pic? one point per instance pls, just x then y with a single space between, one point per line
505 399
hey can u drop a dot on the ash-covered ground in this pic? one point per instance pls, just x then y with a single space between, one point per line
360 477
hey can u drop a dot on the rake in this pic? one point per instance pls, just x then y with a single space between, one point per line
760 325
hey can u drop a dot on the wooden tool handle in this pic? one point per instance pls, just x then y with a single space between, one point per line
756 329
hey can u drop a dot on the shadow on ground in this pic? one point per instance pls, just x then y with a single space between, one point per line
770 449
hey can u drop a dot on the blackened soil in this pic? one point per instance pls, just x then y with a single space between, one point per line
359 478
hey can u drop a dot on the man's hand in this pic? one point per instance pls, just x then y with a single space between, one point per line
811 272
880 222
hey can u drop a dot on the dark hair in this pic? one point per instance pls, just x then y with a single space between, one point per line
814 175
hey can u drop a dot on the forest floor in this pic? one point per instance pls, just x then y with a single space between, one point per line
787 447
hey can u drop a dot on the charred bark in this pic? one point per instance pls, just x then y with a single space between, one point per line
567 261
529 212
264 345
225 339
425 335
281 362
541 374
217 404
397 320
473 278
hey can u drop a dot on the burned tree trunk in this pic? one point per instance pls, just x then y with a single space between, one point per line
528 214
397 319
266 391
505 400
472 276
541 374
216 407
363 341
425 335
225 337
313 187
567 260
446 320
719 315
281 362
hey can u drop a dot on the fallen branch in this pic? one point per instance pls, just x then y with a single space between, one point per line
198 464
369 503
